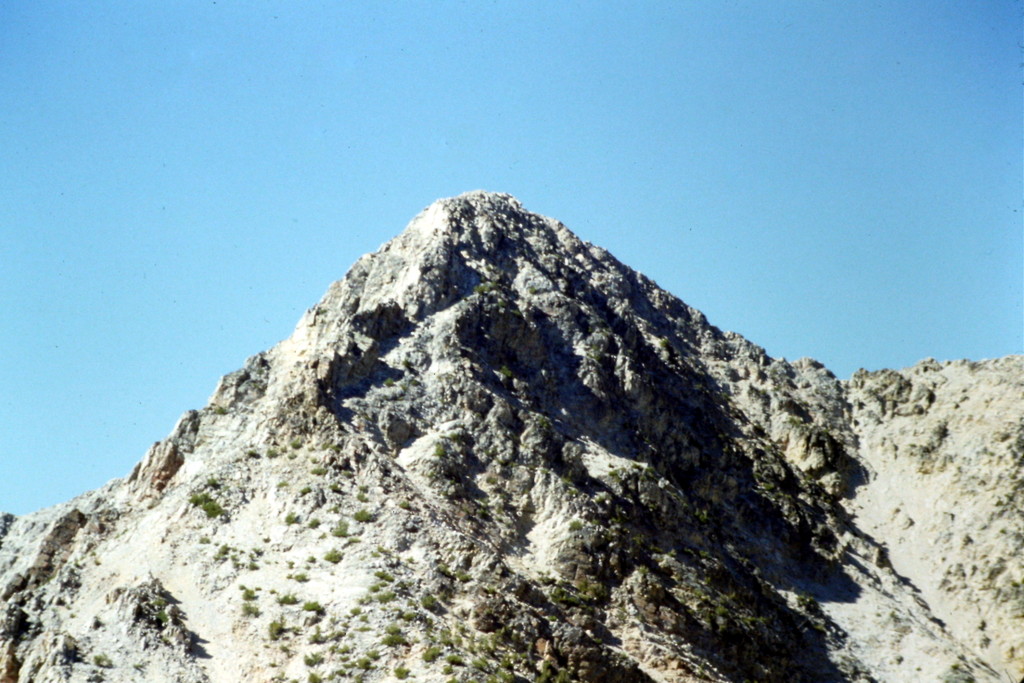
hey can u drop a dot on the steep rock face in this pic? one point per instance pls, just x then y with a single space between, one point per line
943 445
493 452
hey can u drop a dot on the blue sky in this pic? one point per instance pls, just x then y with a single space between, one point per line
181 180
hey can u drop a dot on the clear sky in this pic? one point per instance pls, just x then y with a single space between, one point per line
180 181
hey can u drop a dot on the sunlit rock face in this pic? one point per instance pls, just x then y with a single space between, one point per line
492 452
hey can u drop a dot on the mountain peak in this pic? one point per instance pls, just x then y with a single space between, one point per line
479 220
558 471
484 199
455 245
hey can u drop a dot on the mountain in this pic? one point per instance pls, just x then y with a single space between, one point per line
492 452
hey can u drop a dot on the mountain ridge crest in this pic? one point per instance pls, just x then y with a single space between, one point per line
494 452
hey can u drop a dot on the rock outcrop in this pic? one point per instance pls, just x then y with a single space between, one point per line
492 452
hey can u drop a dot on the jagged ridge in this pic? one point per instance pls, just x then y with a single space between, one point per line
554 468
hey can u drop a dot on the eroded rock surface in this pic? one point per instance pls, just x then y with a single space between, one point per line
492 452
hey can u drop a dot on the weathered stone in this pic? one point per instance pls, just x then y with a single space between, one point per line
494 428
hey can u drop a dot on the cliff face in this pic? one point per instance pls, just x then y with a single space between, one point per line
943 445
493 452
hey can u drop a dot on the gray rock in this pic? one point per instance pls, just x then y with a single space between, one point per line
494 452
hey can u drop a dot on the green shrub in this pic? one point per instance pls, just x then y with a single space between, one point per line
291 518
313 659
210 506
287 599
250 610
594 590
333 556
313 606
393 639
806 601
276 629
363 515
564 597
340 529
102 661
429 602
431 653
401 673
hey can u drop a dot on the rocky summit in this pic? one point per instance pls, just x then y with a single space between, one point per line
492 452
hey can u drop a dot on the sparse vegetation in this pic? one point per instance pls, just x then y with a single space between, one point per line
208 505
393 637
276 629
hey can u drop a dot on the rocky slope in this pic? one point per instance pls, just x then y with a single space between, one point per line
492 452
